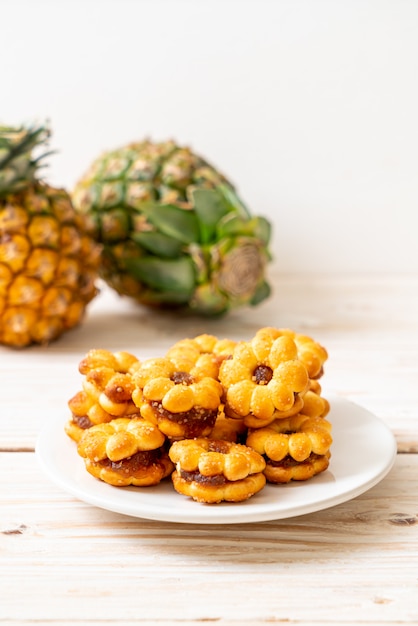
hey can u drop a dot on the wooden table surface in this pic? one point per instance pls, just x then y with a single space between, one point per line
63 561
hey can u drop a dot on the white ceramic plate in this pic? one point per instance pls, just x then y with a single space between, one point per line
363 452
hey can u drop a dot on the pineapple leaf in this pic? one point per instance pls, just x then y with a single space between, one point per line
210 208
234 202
209 301
198 257
173 221
158 243
263 230
169 298
18 166
262 292
17 141
176 275
232 225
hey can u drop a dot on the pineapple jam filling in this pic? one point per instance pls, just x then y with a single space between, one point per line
218 479
262 374
133 464
182 378
288 461
220 447
82 421
192 421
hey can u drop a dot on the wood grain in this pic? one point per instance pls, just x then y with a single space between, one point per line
355 561
65 562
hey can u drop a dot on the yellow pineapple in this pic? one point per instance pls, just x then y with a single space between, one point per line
48 259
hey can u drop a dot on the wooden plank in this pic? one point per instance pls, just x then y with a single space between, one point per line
63 561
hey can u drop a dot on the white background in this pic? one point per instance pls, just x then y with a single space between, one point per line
309 107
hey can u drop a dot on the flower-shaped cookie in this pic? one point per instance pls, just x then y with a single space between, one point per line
200 356
262 380
118 361
296 448
183 406
222 417
211 471
309 351
106 392
125 451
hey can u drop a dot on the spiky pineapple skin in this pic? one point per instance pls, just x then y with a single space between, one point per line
118 183
113 192
48 265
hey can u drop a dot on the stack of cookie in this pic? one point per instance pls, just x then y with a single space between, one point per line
222 418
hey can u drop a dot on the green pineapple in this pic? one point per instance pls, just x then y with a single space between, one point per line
173 230
48 259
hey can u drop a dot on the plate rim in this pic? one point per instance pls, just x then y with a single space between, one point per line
249 511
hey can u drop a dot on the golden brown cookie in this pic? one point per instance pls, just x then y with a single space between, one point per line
263 379
213 471
200 356
125 452
309 351
106 392
118 361
295 448
252 421
288 469
183 406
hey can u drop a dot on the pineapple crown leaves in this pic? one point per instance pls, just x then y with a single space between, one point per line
181 241
216 213
18 165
